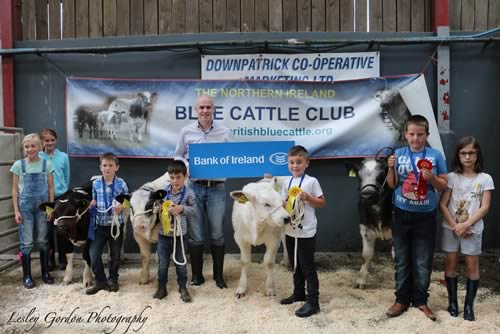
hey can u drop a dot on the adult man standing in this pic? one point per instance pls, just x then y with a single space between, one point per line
210 194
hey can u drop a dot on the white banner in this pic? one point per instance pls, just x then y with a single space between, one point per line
143 118
292 67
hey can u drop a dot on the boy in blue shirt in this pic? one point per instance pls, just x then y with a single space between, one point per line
415 173
108 223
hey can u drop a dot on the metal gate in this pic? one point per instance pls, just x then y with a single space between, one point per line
10 151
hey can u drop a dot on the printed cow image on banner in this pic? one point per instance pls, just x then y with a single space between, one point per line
143 118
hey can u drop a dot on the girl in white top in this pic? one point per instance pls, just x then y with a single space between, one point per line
463 205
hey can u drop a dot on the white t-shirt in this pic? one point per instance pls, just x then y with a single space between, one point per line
309 224
466 197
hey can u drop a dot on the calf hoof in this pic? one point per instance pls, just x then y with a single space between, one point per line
67 281
359 285
270 293
240 295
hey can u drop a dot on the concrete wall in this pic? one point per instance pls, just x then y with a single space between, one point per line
40 102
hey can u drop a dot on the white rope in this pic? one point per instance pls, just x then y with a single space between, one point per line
177 228
296 216
115 223
77 215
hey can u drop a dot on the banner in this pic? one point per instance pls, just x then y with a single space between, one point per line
248 159
143 118
292 67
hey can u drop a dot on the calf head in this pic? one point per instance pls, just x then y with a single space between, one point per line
145 206
265 202
70 214
371 173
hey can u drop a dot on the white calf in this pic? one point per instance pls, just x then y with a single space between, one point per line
258 218
145 205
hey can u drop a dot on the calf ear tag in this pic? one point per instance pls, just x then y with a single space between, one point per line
126 204
352 173
48 210
242 199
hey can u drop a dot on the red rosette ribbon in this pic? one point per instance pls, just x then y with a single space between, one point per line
422 184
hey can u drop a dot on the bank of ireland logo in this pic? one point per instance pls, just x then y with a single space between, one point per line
279 158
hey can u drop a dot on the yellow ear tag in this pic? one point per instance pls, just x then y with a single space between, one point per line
126 204
48 210
165 216
293 192
352 173
242 199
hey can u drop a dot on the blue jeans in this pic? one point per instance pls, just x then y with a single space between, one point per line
103 235
414 236
211 205
165 249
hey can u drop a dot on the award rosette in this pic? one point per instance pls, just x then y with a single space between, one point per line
422 183
293 192
165 216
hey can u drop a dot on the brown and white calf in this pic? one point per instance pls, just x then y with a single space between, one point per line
258 218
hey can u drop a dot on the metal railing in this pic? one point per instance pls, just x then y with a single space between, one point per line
5 216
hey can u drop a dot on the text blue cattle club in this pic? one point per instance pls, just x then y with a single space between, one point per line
228 160
267 113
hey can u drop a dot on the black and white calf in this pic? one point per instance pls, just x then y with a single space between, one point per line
375 208
71 219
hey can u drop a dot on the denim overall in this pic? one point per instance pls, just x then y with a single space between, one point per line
35 191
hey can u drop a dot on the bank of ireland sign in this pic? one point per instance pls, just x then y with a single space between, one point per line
241 159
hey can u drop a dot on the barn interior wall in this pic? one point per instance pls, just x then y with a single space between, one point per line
40 102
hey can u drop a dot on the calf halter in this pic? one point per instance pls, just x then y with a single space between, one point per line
115 223
156 206
77 215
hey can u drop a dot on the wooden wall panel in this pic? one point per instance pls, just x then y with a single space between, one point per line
42 28
54 19
403 15
346 15
455 14
28 20
466 17
480 15
150 17
137 17
428 10
95 18
123 17
185 16
304 15
360 16
262 15
275 15
81 18
376 15
247 15
109 18
417 15
289 16
318 15
494 14
205 15
220 15
164 16
333 15
389 16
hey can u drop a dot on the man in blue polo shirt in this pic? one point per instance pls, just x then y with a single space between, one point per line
210 194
